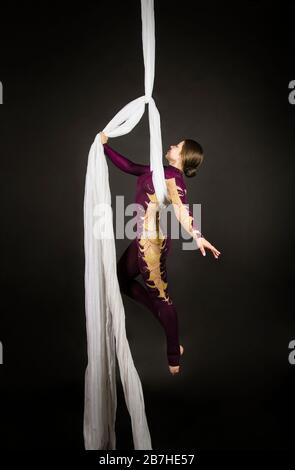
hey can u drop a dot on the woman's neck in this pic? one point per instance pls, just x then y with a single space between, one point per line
176 166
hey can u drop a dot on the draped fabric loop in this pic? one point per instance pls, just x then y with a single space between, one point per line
105 315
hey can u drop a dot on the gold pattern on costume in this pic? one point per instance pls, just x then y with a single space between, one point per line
151 245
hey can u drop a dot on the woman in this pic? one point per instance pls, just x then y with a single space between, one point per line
146 255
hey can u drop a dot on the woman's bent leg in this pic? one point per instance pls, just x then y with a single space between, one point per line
127 271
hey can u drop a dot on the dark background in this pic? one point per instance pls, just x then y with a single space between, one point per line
221 78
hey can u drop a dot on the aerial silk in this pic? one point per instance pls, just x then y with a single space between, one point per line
105 315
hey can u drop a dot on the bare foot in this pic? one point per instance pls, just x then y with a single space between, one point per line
175 369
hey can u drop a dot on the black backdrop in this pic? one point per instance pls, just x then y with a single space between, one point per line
221 77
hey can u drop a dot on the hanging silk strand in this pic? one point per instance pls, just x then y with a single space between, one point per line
105 315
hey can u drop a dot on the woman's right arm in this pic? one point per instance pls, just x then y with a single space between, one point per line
178 195
124 163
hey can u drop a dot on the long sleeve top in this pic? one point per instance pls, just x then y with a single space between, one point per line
145 193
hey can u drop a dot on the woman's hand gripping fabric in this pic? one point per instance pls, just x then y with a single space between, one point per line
103 138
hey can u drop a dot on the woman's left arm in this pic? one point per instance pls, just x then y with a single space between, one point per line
124 163
120 161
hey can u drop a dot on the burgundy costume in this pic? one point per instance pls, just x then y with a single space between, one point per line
147 255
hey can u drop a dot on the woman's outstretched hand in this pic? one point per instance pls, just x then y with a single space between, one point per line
103 138
203 243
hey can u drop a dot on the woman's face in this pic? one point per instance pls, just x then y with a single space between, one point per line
173 154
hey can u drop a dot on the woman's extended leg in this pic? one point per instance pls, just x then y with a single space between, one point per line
130 265
152 264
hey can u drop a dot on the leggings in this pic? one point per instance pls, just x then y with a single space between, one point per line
154 294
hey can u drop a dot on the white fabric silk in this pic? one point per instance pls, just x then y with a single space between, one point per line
105 316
